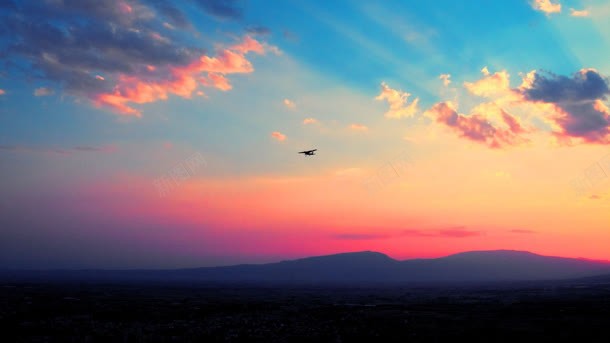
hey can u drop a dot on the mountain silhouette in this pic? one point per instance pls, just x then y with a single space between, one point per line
373 267
365 267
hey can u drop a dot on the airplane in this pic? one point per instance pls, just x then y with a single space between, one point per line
308 152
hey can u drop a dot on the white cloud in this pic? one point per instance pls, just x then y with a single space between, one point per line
546 6
579 13
398 101
485 71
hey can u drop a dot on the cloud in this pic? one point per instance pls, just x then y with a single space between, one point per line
218 81
446 79
398 101
278 135
359 236
258 30
7 5
587 84
59 151
546 6
108 148
290 104
490 85
117 53
454 232
579 13
2 92
182 81
221 9
458 232
310 121
477 126
175 16
43 91
580 99
359 127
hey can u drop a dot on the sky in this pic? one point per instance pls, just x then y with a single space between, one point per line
158 134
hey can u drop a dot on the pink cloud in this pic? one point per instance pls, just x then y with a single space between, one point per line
217 81
310 121
43 91
278 135
446 79
183 81
359 127
2 92
477 127
359 236
456 232
290 104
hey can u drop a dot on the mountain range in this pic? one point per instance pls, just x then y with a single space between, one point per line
365 267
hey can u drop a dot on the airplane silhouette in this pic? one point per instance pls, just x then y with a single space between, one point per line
308 152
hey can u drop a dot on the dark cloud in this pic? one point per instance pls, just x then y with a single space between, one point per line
222 9
174 15
7 5
359 236
258 30
122 12
581 97
289 35
582 86
72 41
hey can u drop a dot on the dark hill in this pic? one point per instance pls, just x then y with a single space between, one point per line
359 268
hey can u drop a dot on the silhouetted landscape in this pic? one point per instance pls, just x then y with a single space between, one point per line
479 296
359 268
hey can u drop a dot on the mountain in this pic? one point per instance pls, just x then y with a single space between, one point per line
360 268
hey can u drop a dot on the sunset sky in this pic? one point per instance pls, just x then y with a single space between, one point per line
143 134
